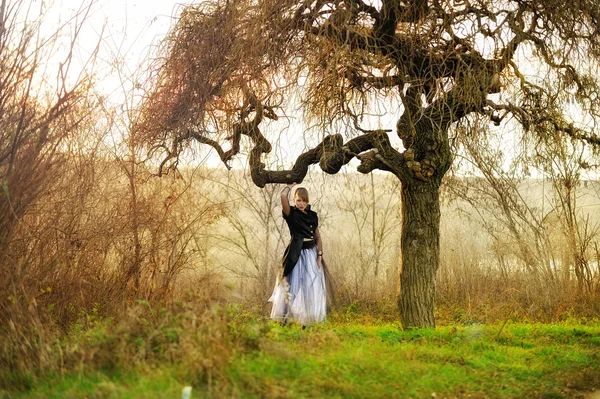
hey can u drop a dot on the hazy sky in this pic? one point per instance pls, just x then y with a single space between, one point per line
129 28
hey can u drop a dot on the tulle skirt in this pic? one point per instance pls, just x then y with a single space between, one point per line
302 296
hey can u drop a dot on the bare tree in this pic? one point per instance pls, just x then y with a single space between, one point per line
371 203
564 161
41 108
499 202
253 233
230 69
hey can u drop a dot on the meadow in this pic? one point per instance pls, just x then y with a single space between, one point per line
229 353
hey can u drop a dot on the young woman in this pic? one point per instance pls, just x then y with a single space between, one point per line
300 294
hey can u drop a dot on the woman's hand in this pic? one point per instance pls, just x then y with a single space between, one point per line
319 260
285 203
287 190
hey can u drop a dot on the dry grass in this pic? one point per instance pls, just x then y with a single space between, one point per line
199 333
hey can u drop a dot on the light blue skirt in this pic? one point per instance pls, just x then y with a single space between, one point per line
302 296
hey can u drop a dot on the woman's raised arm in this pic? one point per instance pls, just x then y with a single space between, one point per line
285 203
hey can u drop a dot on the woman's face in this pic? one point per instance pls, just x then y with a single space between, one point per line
300 203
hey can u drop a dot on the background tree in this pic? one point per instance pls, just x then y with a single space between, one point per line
566 161
230 69
502 206
254 232
43 109
370 222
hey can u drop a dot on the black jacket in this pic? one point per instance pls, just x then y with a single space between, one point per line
302 225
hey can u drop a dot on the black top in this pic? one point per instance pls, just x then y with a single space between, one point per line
302 225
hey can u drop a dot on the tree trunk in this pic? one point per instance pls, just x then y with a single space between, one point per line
420 253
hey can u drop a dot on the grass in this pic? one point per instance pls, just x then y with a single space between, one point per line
358 361
152 383
366 360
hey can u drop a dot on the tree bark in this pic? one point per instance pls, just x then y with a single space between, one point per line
420 253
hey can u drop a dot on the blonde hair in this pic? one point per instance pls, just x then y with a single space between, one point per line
301 193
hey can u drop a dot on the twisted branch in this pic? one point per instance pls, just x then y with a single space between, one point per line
331 154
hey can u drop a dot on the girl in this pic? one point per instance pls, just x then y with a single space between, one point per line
300 295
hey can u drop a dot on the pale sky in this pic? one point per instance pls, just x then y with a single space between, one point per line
131 28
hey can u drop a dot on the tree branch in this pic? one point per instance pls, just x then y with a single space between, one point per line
377 82
331 154
529 119
361 6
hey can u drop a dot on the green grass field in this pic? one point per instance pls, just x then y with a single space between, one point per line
358 360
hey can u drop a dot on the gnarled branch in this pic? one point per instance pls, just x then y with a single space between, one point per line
331 154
